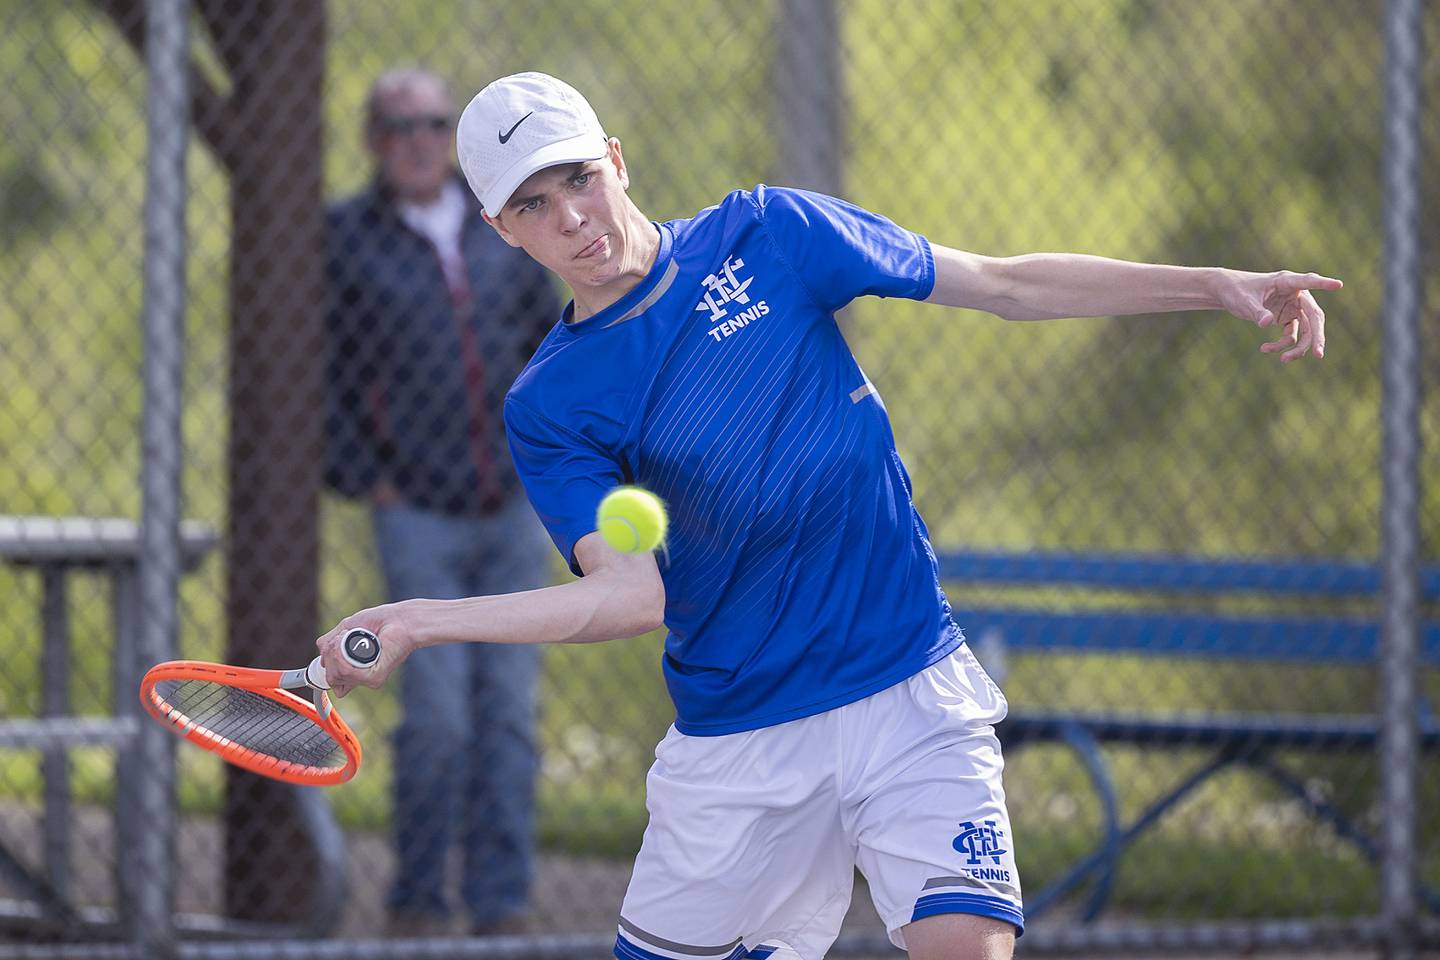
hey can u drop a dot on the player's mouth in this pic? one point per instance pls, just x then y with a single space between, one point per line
597 247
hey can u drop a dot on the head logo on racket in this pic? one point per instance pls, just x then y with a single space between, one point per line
361 647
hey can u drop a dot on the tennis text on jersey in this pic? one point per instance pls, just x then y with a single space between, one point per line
721 290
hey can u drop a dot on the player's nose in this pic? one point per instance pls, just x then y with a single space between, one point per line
572 218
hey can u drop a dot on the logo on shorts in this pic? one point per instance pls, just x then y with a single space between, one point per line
981 841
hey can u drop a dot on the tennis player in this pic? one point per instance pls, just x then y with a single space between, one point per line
828 712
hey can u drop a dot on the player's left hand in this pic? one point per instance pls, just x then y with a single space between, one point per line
1281 300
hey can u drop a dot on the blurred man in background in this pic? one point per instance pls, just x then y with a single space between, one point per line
431 316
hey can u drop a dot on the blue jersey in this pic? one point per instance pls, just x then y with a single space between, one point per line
798 575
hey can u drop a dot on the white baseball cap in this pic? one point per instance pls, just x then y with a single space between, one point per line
520 124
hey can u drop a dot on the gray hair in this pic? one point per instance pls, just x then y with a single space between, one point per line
397 79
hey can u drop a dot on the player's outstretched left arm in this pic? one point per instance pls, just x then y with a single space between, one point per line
1046 286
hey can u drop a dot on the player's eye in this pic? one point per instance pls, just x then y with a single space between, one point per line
531 205
582 179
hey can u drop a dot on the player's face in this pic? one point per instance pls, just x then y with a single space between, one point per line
412 138
576 220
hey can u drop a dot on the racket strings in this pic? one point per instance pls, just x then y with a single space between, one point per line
250 720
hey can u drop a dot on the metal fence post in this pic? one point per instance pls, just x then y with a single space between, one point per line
55 693
809 96
167 111
1400 523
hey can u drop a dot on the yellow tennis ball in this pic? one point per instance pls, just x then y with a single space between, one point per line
632 520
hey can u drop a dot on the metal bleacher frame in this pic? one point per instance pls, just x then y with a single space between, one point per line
996 631
55 548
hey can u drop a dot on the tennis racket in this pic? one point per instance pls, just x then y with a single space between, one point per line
250 718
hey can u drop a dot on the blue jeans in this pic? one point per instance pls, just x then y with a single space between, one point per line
466 743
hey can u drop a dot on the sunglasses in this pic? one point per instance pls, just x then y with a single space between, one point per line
405 126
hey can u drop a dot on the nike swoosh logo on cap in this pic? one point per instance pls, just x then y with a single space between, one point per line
505 137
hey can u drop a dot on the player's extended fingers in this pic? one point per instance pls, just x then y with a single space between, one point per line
1316 318
1288 322
1306 333
1284 342
1289 282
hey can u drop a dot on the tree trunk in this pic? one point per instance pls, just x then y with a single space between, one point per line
267 133
276 310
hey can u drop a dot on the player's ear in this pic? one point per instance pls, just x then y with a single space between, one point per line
499 226
617 160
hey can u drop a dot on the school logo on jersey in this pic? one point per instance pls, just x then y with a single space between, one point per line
981 841
723 288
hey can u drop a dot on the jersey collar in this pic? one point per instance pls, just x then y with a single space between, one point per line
637 300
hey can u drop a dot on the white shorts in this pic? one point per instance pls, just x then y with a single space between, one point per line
754 837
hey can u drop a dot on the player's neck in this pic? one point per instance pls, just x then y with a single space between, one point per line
638 252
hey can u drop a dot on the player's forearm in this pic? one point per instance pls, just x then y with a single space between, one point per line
602 606
1046 286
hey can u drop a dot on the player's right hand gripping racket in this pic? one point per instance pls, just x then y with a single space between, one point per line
251 719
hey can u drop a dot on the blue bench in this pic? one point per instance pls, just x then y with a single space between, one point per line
1299 634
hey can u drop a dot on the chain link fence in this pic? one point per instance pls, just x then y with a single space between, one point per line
1245 497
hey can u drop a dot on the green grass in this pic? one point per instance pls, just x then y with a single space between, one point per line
1171 877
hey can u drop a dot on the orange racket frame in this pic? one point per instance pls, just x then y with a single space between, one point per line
360 647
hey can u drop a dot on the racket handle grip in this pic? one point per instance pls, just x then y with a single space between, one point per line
359 647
